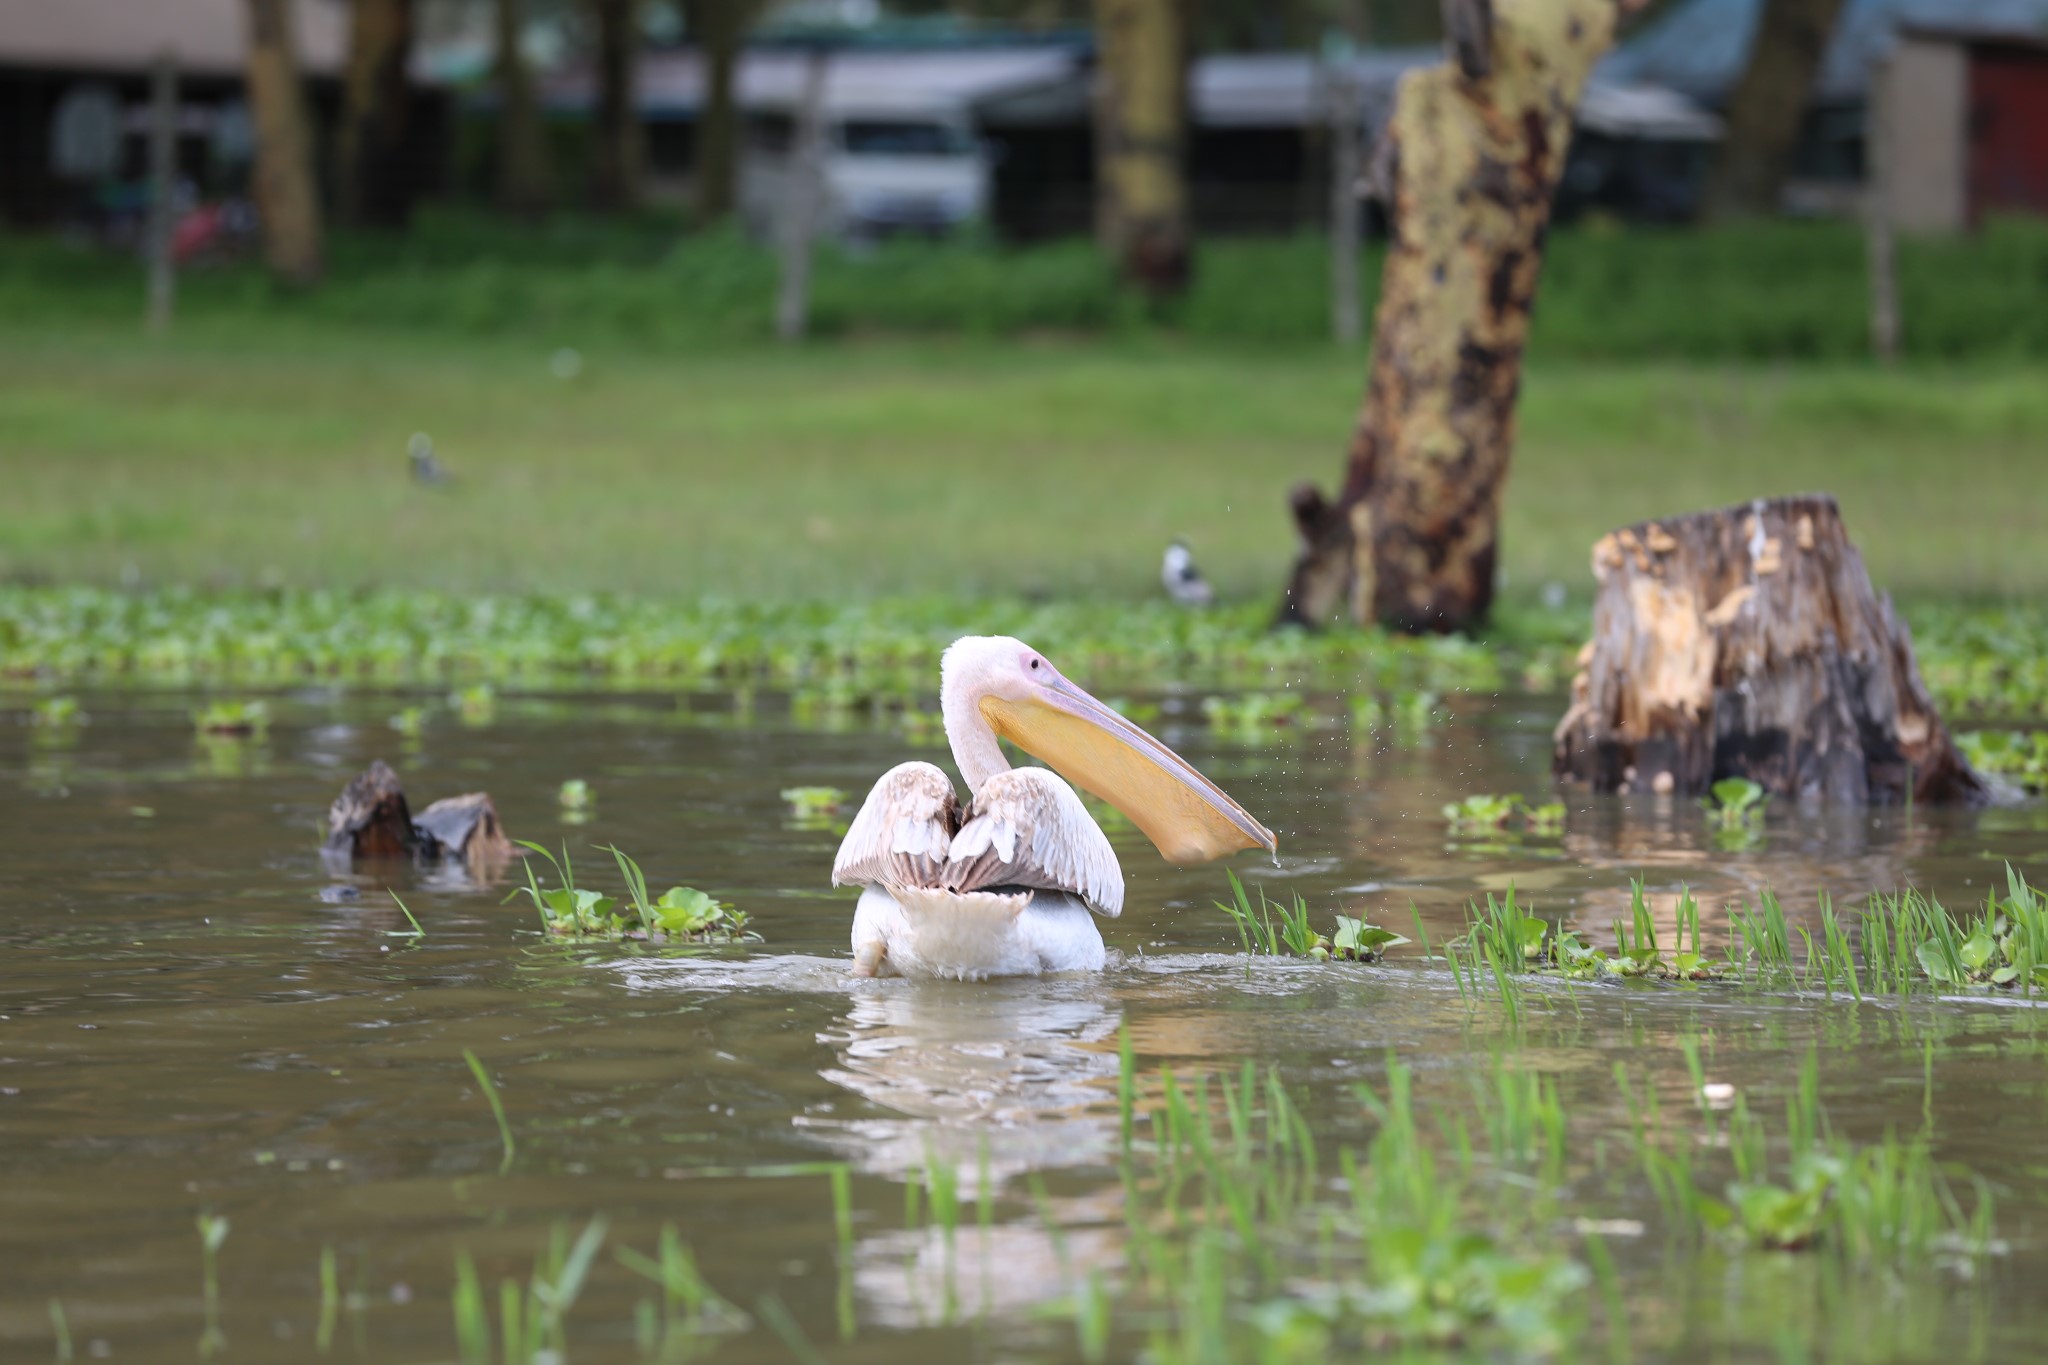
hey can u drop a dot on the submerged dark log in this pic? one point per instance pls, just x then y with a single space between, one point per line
1748 642
464 827
370 818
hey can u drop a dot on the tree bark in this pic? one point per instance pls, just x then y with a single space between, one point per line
618 132
286 198
1472 159
523 180
378 169
1769 106
1748 642
1140 137
719 28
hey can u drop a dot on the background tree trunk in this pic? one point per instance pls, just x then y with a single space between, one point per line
1473 155
1768 108
719 28
619 142
377 178
1140 121
522 147
286 198
1747 642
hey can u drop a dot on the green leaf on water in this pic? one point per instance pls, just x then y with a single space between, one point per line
1737 793
1936 965
1355 938
1977 949
686 910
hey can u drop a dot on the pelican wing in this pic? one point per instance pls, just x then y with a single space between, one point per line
1026 827
903 831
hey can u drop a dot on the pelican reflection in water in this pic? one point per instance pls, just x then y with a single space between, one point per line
1010 884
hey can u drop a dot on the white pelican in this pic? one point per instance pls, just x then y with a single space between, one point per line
1005 887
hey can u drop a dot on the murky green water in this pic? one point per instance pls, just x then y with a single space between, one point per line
186 1026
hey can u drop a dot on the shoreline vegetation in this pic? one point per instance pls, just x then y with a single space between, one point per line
1988 662
1793 290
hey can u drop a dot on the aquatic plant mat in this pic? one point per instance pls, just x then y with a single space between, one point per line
1979 661
1623 1084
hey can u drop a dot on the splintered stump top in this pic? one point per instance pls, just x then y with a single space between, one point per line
1748 642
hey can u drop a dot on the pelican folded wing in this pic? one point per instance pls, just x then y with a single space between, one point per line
903 832
1028 828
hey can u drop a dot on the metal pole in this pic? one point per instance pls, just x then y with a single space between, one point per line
800 206
163 176
1877 219
1345 324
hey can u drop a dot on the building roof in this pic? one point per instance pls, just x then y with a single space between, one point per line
933 81
1700 47
207 37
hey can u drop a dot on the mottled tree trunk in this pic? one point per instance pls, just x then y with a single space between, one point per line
719 28
1140 122
1748 642
378 168
287 199
523 180
1768 107
619 143
1473 155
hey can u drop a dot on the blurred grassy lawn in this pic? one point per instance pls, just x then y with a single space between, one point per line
243 453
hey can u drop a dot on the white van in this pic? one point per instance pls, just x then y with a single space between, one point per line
885 170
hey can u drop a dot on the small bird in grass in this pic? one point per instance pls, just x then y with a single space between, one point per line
425 467
1184 582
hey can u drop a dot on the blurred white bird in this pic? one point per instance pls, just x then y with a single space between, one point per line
1184 582
425 467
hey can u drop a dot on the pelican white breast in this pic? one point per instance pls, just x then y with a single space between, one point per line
1011 883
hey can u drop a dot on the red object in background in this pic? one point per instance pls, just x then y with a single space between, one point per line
196 233
2008 131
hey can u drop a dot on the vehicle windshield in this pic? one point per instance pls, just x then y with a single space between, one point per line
895 137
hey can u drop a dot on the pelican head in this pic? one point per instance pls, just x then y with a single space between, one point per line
993 686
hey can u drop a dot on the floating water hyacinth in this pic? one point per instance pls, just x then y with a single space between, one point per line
576 799
681 914
56 713
237 718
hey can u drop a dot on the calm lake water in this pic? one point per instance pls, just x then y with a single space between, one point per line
186 1026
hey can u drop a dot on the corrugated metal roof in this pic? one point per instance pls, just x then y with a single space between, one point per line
1049 87
206 36
1701 47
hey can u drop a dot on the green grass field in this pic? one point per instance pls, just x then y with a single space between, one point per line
241 454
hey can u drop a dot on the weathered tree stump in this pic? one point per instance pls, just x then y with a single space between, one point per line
464 827
1748 642
370 818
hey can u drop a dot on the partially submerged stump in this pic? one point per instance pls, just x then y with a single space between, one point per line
464 827
1748 642
370 818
